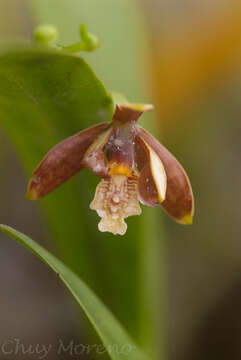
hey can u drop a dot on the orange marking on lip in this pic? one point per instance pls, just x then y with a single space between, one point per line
119 169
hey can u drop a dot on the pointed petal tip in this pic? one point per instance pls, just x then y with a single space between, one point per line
31 193
187 219
162 197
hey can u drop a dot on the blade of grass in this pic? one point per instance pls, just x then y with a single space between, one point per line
117 342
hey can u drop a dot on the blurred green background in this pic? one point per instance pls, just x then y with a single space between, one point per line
171 285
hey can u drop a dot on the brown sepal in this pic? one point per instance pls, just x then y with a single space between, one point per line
62 162
179 202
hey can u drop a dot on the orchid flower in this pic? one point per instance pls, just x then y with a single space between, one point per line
133 166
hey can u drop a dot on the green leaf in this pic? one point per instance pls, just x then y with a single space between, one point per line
117 342
46 96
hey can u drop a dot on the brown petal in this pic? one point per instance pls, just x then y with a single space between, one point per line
152 180
62 162
179 202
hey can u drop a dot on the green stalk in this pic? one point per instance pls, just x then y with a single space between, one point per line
152 286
